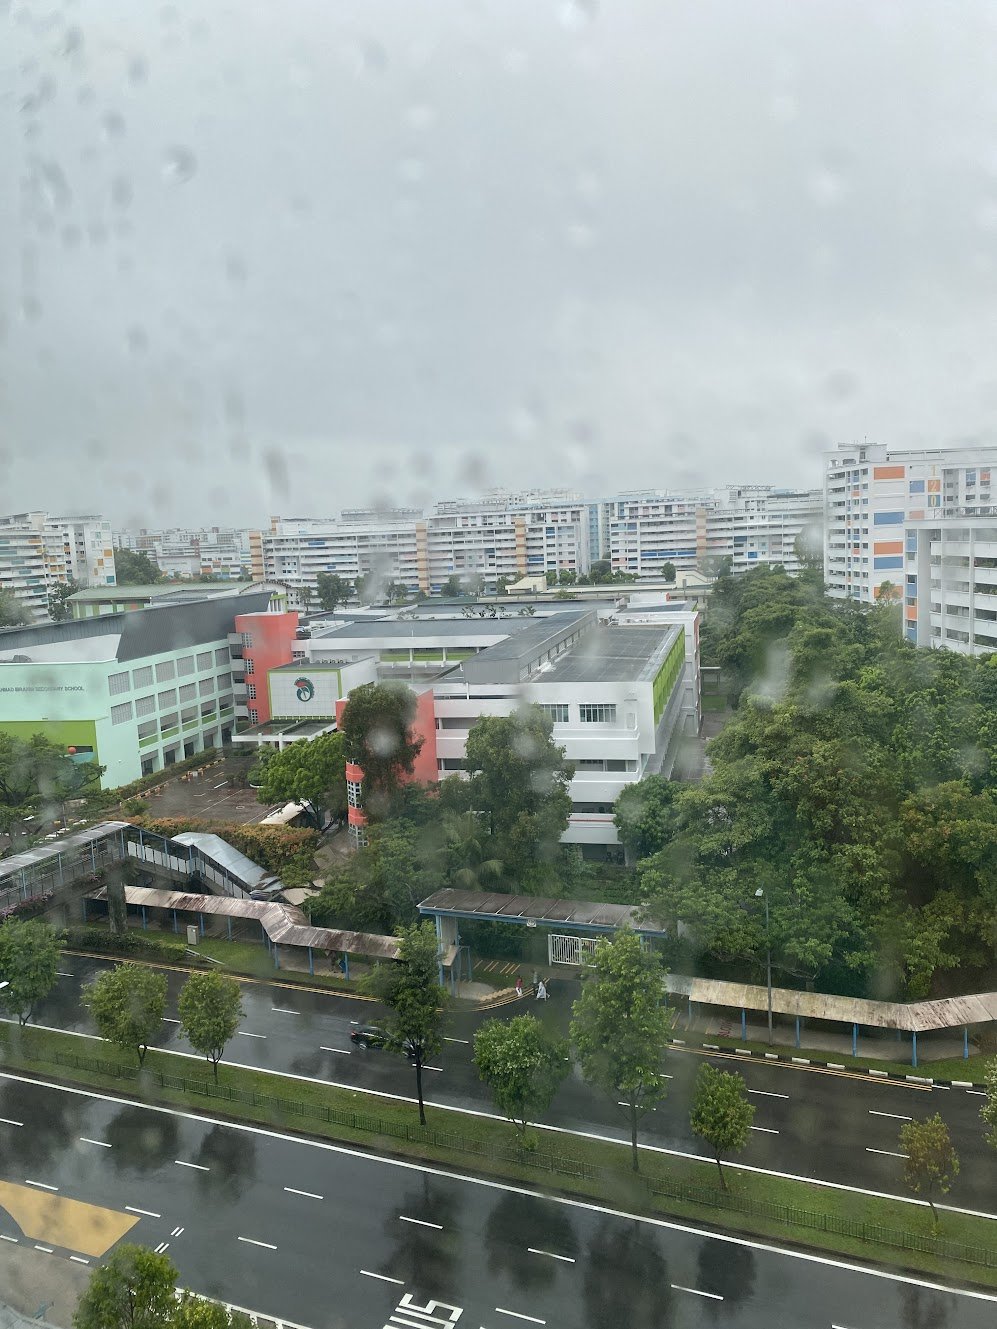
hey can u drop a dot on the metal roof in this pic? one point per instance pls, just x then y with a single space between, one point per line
911 1017
65 844
581 915
221 853
283 923
607 655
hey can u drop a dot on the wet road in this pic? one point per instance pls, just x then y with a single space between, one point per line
840 1128
332 1240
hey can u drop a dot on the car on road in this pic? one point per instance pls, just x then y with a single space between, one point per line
373 1036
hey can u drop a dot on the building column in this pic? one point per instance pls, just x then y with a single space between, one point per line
228 920
797 1031
913 1048
145 924
175 927
855 1040
276 956
965 1042
311 962
744 1024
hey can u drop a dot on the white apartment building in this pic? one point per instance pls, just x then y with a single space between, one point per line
871 493
950 583
24 566
185 552
296 549
39 552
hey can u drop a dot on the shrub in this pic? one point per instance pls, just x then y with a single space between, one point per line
272 847
124 943
135 807
25 909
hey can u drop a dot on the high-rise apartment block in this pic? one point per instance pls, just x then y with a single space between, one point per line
871 492
39 552
186 552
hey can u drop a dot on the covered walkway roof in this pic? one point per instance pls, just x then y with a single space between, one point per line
914 1017
575 915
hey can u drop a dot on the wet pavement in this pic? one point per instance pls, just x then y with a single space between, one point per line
329 1239
827 1125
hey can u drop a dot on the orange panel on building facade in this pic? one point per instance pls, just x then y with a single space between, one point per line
889 547
912 613
888 472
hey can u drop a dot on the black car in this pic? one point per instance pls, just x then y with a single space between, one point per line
373 1036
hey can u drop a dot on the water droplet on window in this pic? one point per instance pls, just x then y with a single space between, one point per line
112 125
179 165
121 191
577 14
137 340
138 69
420 118
827 184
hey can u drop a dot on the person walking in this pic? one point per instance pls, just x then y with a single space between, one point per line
519 985
541 991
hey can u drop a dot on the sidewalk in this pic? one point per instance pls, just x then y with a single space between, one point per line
33 1281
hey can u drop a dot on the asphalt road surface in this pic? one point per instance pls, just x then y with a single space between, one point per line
835 1127
329 1239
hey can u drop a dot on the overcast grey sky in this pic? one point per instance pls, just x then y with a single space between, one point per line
288 257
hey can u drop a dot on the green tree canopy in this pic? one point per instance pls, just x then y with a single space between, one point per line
12 613
332 590
38 775
59 608
377 727
668 571
721 1113
989 1109
134 569
522 1064
645 816
133 1289
620 1025
127 1004
29 958
931 1163
411 991
312 773
210 1009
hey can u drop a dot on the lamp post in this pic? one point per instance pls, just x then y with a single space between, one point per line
760 895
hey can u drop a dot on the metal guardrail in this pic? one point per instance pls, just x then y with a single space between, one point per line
555 1164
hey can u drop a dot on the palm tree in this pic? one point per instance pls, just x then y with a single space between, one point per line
467 842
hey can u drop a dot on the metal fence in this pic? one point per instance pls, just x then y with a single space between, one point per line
540 1160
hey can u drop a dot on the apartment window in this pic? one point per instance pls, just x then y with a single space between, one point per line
251 691
118 683
352 790
225 702
222 656
254 715
449 764
185 665
247 641
165 670
142 678
188 692
556 712
169 721
120 714
145 705
207 686
189 714
167 698
204 660
148 729
598 713
250 666
224 681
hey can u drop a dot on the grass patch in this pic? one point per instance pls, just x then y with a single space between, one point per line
949 1068
713 701
773 1207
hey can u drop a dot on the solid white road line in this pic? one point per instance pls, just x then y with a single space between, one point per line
146 1213
383 1277
553 1255
9 1121
697 1292
250 1242
890 1153
309 1195
344 1052
102 1143
199 1166
767 1093
420 1222
980 1093
432 1068
897 1116
767 1130
244 1034
40 1184
519 1315
507 1188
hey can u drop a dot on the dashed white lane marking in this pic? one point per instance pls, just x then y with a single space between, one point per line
456 1040
100 1143
146 1213
343 1052
64 973
309 1195
697 1292
890 1153
420 1222
519 1315
767 1093
176 1232
40 1184
250 1242
78 1259
47 1249
9 1121
432 1068
897 1116
766 1130
4 1237
553 1255
243 1033
199 1166
620 1102
980 1093
383 1277
168 1019
284 1010
163 1246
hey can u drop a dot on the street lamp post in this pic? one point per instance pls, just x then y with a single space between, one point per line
760 895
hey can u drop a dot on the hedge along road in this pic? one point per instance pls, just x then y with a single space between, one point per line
247 1216
838 1128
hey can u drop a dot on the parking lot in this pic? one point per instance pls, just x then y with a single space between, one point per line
210 794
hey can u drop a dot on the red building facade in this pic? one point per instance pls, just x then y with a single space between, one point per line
267 642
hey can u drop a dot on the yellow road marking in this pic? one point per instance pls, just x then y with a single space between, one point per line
72 1224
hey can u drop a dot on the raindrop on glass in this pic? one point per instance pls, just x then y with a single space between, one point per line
179 165
112 125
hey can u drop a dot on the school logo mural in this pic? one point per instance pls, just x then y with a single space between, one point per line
305 689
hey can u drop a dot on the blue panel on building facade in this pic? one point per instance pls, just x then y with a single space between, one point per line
882 564
888 519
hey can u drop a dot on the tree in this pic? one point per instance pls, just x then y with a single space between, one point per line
989 1109
668 571
467 845
377 729
601 570
567 577
35 772
134 1289
12 613
619 1027
210 1009
522 1064
195 1313
332 590
29 958
312 773
411 991
721 1113
127 1004
519 781
451 588
644 815
931 1160
59 608
134 569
